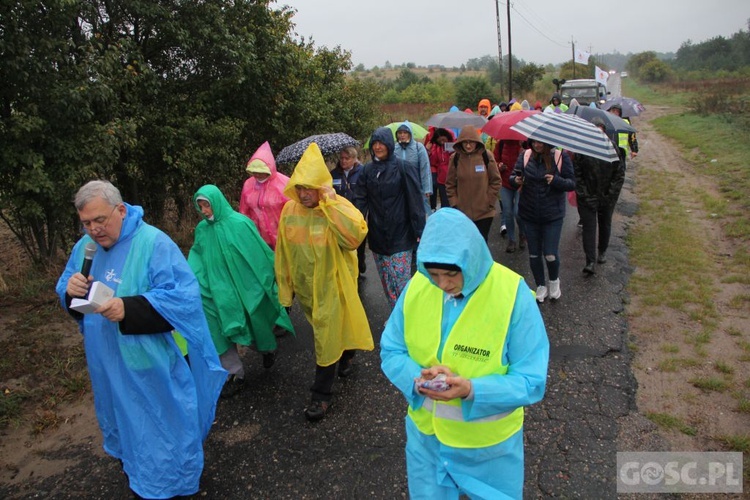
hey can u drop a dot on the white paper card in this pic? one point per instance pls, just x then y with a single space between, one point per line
98 295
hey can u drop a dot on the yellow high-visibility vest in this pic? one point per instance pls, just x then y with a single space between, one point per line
474 348
623 140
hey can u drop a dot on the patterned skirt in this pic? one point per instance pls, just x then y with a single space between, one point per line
395 272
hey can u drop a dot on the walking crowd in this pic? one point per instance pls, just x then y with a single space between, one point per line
164 345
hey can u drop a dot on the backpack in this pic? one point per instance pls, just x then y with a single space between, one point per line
558 158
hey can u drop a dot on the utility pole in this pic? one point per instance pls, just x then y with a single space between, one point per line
510 57
499 45
573 44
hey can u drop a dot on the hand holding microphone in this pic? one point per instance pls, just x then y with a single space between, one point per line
78 284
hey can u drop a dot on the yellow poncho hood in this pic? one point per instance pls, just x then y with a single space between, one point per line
311 172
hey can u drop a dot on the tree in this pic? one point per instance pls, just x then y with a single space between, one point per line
159 97
470 90
655 71
406 78
637 61
525 77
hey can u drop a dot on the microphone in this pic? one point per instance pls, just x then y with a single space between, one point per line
88 259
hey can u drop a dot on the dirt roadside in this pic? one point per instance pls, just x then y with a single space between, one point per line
667 356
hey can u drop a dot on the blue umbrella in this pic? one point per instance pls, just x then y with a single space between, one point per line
328 144
568 132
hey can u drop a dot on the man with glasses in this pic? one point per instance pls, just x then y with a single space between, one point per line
154 406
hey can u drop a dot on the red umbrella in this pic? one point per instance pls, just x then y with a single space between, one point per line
499 126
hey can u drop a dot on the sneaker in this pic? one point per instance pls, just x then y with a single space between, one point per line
522 243
541 293
589 269
269 358
580 223
317 410
554 289
602 257
511 247
232 386
503 230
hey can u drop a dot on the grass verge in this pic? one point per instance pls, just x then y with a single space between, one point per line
42 365
670 422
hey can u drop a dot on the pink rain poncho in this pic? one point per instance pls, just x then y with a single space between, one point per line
263 201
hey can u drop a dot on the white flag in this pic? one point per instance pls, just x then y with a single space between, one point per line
601 76
582 56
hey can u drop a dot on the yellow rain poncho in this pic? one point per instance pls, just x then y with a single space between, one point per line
316 261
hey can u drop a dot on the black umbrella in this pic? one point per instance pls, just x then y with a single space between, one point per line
630 107
612 123
328 144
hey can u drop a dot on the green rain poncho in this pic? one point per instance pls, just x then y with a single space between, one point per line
234 267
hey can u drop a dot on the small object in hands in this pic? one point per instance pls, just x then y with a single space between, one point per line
437 384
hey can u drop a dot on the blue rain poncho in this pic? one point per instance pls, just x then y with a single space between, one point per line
154 409
435 469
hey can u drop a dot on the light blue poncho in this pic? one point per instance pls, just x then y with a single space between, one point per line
154 409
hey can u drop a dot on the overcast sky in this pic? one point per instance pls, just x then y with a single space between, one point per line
450 32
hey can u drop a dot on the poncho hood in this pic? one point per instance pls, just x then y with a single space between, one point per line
486 103
264 154
219 204
452 238
311 171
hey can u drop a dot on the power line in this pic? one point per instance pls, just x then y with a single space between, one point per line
543 20
532 26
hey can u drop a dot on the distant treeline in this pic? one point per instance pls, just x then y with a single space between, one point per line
716 54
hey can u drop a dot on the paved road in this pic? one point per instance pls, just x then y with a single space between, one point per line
262 446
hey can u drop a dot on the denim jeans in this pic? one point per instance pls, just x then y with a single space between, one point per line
509 199
544 242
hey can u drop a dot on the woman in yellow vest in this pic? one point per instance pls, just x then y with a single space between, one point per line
467 372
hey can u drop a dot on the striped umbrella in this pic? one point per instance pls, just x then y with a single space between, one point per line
568 132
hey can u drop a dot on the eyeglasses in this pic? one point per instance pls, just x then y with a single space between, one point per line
98 223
